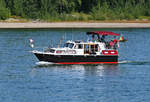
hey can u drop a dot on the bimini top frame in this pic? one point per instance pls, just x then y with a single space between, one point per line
102 33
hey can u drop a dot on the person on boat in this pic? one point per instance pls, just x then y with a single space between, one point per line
103 38
93 39
115 41
31 42
111 43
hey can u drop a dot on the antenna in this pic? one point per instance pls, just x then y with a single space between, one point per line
64 36
51 44
72 33
72 37
60 41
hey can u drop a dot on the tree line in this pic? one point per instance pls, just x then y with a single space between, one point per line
72 10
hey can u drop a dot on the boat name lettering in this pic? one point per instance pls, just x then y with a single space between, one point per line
60 51
66 52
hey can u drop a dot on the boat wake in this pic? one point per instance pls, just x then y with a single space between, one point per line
43 63
135 62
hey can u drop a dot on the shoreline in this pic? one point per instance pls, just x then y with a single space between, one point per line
39 25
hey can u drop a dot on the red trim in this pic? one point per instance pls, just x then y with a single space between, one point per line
104 33
87 63
109 52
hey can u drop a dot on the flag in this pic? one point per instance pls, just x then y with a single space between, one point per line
31 42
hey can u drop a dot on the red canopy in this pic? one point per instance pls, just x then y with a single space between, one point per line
103 33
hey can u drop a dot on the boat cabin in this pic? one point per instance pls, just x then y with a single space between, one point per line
95 46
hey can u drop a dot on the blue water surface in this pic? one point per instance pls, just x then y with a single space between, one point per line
22 80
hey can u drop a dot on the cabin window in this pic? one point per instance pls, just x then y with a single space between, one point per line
70 45
96 47
91 48
66 44
79 46
86 48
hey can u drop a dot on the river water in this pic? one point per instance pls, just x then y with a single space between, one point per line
23 80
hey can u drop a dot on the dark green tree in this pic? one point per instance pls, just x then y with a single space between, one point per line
4 12
64 9
31 8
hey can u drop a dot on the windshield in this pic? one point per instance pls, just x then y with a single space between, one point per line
70 45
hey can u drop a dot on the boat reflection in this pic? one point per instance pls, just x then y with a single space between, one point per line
83 70
98 70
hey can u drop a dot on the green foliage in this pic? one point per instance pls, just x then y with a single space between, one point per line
31 8
4 12
17 7
75 10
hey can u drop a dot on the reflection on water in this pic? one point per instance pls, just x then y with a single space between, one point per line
78 82
84 70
